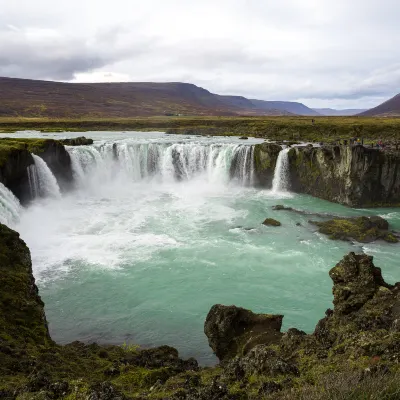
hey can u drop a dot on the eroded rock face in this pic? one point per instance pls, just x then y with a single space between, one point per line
22 315
16 157
79 141
265 157
364 304
355 176
233 330
59 161
14 173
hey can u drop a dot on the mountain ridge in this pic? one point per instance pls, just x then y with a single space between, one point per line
389 108
38 98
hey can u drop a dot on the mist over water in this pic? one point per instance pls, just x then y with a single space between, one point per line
160 228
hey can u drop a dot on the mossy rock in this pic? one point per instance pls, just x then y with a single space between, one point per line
271 222
361 229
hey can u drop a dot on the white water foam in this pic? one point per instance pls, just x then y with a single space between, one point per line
166 162
9 206
42 182
281 181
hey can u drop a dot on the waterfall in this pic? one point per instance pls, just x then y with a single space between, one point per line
42 182
280 182
9 206
166 162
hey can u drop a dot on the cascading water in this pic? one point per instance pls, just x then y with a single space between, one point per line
9 206
280 183
164 161
42 182
153 216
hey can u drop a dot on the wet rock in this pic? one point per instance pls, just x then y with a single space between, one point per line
232 330
243 138
265 157
271 222
281 207
79 141
350 175
361 229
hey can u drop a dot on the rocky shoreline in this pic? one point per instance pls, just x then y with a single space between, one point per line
357 342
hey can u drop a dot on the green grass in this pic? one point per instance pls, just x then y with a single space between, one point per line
288 128
9 146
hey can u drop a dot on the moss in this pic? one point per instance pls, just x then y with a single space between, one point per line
362 229
133 379
8 147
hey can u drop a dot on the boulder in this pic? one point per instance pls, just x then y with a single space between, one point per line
361 229
271 222
235 331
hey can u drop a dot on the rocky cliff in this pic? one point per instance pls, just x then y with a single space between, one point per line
265 156
354 176
16 157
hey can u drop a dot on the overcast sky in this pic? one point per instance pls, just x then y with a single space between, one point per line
325 53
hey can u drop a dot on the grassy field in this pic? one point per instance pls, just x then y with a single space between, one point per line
290 128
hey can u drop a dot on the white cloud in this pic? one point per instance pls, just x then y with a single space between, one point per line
340 53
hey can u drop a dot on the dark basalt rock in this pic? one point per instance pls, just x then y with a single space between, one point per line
59 161
243 138
265 157
232 330
160 357
366 309
16 157
14 173
362 229
79 141
271 222
350 175
21 309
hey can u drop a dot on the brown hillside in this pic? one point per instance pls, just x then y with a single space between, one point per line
30 98
390 108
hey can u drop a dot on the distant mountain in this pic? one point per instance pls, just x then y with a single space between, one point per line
251 107
338 113
390 108
288 106
32 98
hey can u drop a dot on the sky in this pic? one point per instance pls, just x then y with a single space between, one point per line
324 53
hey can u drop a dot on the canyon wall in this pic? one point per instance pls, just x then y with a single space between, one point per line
16 158
355 176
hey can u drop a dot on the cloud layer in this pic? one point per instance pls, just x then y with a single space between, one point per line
324 53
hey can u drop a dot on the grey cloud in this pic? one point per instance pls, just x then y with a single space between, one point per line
324 51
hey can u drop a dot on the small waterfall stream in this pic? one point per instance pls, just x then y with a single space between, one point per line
280 183
42 182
